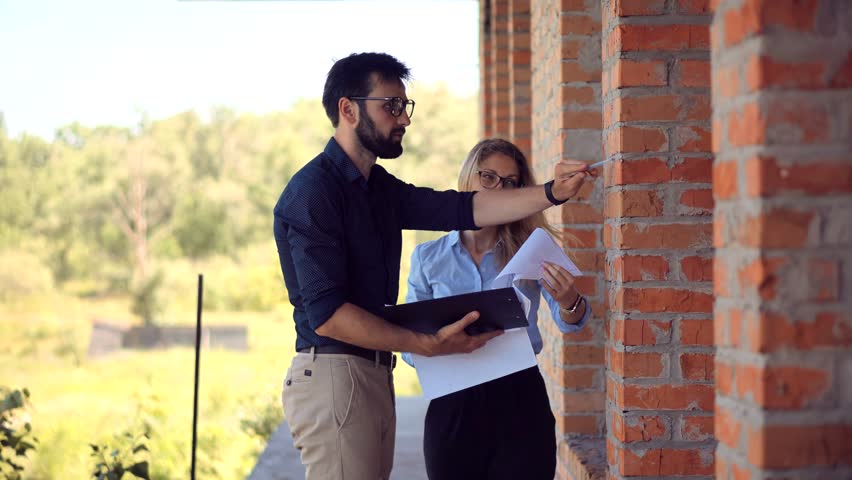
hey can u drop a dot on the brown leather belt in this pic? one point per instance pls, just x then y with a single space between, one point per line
385 358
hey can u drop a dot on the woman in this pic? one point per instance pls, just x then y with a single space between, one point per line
503 428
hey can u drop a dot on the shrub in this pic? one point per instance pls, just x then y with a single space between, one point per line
15 432
259 418
22 274
130 456
146 298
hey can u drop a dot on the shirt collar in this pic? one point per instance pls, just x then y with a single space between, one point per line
343 163
454 238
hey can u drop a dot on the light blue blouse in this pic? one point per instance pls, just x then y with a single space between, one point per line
443 267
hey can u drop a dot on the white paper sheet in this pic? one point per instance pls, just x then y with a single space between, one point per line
504 355
508 353
526 264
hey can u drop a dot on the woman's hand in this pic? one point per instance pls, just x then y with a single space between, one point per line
559 284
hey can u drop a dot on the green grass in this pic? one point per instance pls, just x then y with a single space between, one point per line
77 401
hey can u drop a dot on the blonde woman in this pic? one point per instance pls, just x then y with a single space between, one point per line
503 428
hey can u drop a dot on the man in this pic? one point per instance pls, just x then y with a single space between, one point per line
338 230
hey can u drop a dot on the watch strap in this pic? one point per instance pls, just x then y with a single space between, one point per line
548 192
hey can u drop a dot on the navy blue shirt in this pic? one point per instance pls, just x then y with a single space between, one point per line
339 236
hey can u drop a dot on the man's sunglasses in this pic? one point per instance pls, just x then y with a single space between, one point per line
394 105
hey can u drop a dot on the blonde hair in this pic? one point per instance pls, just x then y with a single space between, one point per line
511 235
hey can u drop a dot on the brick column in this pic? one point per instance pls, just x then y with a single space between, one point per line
566 124
520 110
486 70
499 80
658 237
782 83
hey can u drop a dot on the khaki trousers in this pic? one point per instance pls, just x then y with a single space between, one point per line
341 411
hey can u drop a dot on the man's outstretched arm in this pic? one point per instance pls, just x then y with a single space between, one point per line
496 207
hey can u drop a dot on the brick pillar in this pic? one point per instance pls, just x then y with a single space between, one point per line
499 80
566 124
520 110
504 55
658 231
486 70
782 83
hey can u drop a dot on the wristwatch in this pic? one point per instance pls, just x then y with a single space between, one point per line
576 304
548 192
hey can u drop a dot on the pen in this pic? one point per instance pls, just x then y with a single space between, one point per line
598 164
595 165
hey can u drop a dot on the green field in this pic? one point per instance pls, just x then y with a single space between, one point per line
77 401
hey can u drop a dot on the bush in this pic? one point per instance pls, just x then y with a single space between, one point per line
15 432
130 456
260 416
22 274
146 298
249 281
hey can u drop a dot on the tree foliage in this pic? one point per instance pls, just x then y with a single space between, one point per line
108 210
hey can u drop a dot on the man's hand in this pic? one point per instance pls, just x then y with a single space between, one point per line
453 338
568 177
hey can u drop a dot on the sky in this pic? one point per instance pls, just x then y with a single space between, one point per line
112 61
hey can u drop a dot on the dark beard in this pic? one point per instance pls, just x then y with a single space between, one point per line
372 140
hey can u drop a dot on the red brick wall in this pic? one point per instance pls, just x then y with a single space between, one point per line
566 124
520 106
782 100
776 296
656 95
499 80
505 70
486 69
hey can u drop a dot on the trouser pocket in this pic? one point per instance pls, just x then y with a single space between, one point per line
342 390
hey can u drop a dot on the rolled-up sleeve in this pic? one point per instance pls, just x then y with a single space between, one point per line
418 288
314 233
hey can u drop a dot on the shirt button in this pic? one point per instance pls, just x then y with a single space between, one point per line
288 382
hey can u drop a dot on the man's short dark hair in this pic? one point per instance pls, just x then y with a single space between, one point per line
350 77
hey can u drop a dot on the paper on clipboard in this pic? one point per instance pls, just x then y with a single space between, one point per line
508 353
504 355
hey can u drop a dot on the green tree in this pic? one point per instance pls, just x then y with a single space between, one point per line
104 208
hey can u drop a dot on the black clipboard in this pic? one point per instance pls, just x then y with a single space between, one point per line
498 309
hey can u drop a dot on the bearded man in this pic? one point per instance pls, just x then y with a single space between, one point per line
337 228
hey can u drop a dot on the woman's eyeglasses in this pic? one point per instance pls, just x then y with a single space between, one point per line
394 105
489 179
